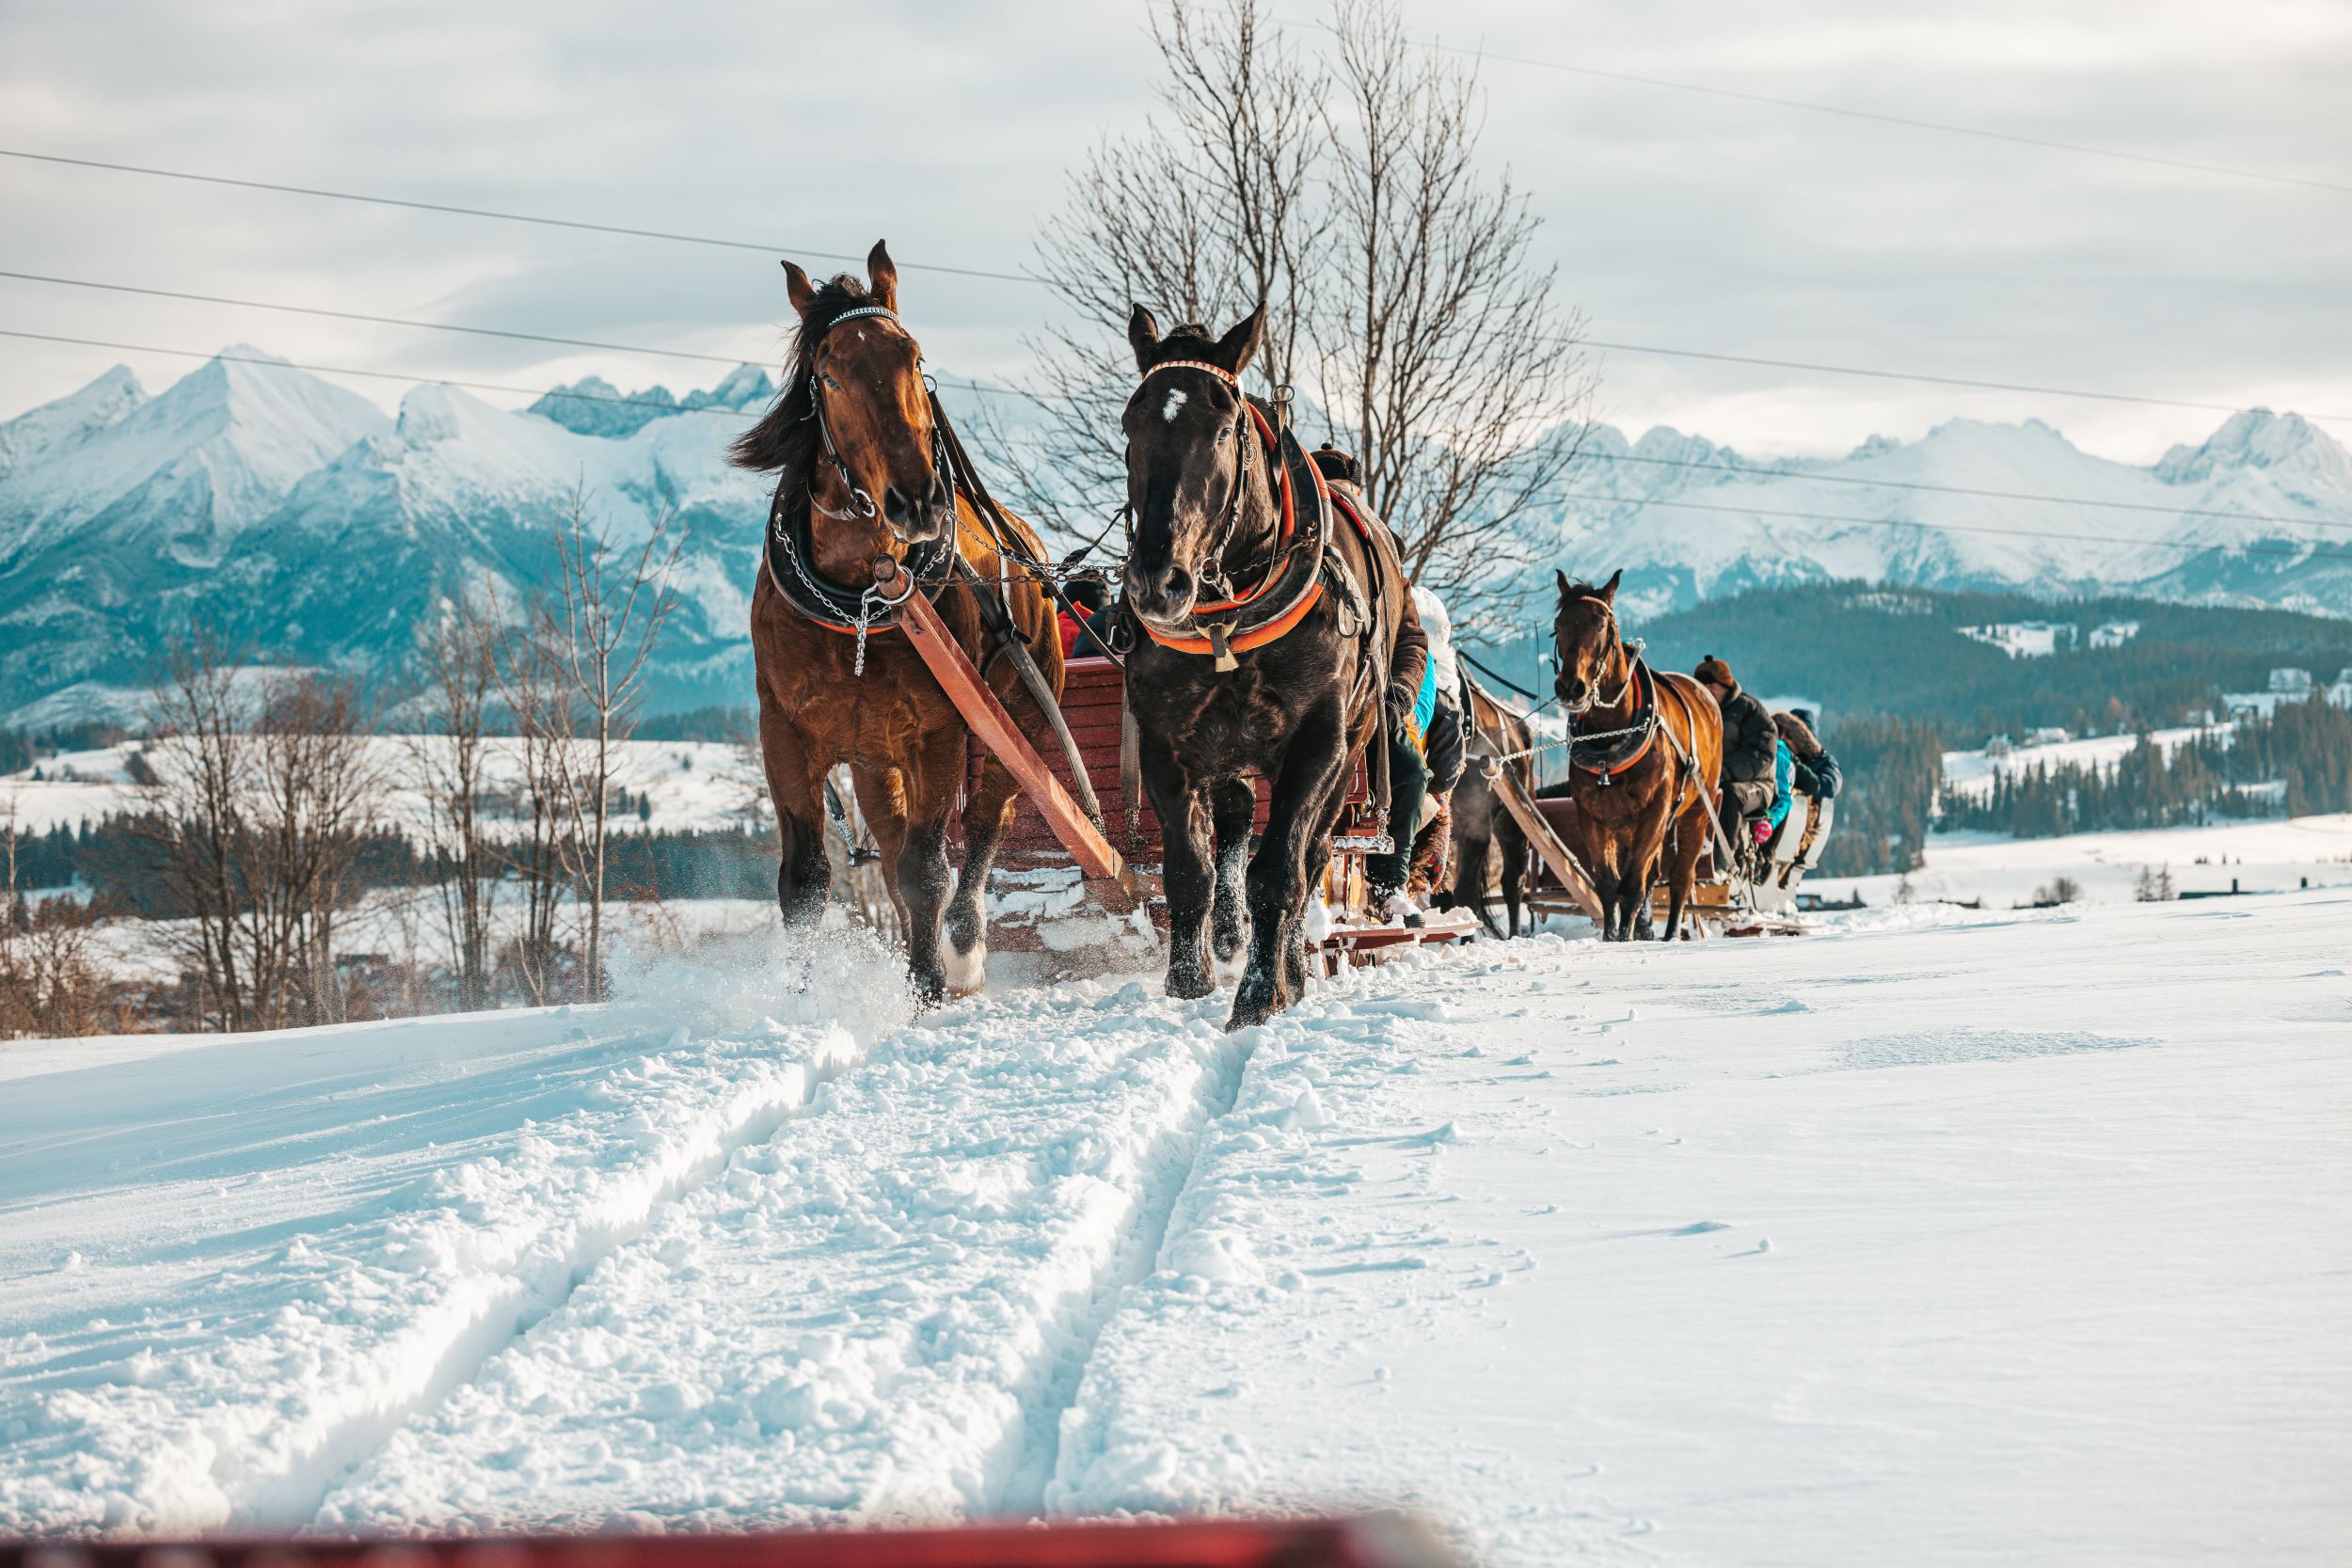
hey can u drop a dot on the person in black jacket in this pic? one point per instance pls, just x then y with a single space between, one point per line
1817 773
1750 743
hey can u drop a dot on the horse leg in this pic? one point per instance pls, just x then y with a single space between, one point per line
796 787
1682 866
987 814
1232 804
1318 863
1303 784
1469 880
1514 871
1652 841
1186 877
933 774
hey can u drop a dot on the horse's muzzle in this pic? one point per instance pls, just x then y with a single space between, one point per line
920 522
1164 602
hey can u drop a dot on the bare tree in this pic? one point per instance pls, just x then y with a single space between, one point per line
261 805
533 693
52 984
601 630
1205 213
448 766
199 777
1397 270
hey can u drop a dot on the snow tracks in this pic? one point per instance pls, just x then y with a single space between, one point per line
878 1313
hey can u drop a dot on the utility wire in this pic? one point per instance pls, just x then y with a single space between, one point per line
1733 468
378 321
2296 551
1933 380
765 247
1030 277
2125 541
1743 471
1875 117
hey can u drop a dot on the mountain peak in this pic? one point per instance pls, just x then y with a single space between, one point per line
37 432
2287 446
593 406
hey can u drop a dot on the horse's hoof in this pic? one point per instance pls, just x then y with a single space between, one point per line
1188 987
1253 1003
963 973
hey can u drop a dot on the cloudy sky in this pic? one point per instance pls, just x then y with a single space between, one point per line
1677 219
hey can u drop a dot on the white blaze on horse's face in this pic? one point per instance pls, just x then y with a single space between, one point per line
1175 402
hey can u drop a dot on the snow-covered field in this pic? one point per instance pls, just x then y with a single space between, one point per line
2264 855
1931 1238
688 784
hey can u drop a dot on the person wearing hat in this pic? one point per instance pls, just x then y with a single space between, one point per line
1751 747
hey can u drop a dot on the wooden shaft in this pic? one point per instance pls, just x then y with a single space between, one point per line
1107 877
1555 854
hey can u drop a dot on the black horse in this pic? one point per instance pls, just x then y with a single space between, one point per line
1269 649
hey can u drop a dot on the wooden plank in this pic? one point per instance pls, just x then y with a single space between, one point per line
1545 843
1107 876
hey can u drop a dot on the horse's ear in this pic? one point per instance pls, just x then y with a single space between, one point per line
1563 578
1608 593
1240 345
798 288
1144 333
882 276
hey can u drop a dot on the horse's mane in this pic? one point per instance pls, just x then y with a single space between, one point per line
786 437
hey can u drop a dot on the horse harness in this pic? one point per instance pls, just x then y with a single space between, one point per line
1304 560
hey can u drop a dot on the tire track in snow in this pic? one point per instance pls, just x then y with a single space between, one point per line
237 1398
878 1313
461 1336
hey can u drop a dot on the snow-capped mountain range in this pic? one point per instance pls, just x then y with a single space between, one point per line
300 522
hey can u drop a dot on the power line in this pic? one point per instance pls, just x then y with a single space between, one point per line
2129 542
1875 117
2126 540
765 246
377 375
268 362
1747 473
1921 377
1935 380
1733 468
378 321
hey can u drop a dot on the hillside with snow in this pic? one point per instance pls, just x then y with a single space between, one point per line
1897 1243
300 522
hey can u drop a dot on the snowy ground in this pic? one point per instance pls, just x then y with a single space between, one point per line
2264 855
688 784
1931 1238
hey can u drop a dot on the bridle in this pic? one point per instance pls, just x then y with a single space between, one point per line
861 503
1617 639
1213 559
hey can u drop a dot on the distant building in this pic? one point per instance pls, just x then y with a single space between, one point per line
2050 734
2288 685
2113 634
2026 638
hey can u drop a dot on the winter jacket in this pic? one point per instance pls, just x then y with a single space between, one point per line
1449 745
1820 778
1749 739
1409 664
1783 780
1816 772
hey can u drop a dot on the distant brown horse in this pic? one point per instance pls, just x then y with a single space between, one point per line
862 472
1645 752
1481 822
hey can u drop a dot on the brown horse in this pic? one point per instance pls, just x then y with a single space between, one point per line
1645 752
863 472
1481 822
